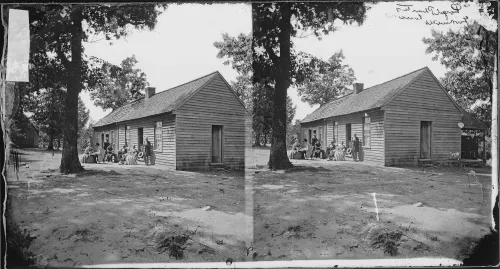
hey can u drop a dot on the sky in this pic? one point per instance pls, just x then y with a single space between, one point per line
180 48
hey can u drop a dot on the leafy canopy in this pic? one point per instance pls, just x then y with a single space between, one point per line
325 86
469 56
119 85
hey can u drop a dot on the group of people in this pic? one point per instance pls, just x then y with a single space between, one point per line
125 156
333 152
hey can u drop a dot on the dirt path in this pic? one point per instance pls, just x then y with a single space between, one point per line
113 213
326 210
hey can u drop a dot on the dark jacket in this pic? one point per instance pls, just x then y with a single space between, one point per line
313 141
356 144
147 148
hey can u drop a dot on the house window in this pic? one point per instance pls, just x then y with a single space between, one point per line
113 138
127 135
366 131
158 136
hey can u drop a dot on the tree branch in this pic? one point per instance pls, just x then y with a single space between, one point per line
271 53
60 54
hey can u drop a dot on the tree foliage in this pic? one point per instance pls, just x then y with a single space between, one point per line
48 113
469 55
60 30
258 98
277 64
119 85
325 86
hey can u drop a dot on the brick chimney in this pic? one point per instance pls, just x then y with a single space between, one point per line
150 91
357 88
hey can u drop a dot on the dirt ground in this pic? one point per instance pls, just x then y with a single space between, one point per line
121 214
326 210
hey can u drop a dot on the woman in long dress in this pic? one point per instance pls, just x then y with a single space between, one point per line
86 155
131 156
339 154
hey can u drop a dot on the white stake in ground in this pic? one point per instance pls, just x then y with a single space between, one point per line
376 208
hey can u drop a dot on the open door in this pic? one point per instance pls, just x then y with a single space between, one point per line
425 139
140 138
217 144
348 135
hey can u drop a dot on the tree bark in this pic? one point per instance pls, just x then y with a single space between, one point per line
70 162
278 158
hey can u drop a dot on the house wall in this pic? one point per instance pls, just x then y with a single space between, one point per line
423 100
373 153
166 156
214 104
98 131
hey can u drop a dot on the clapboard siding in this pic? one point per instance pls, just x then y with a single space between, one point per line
214 104
329 131
374 153
106 130
166 156
423 100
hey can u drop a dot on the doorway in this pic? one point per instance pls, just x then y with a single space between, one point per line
348 135
425 140
217 145
140 138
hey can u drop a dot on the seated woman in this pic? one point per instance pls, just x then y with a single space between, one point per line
317 150
295 153
339 154
306 149
131 156
330 150
109 154
97 153
87 157
122 154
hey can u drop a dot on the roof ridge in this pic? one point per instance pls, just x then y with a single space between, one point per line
396 78
338 98
186 83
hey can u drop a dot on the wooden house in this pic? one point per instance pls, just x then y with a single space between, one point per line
399 122
197 125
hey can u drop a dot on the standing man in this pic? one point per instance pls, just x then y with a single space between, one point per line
355 148
147 151
106 145
313 143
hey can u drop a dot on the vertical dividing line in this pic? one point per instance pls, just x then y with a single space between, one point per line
249 206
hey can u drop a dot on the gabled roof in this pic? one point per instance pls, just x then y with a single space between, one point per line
160 103
470 122
370 98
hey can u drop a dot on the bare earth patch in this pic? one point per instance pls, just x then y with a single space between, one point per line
125 214
325 210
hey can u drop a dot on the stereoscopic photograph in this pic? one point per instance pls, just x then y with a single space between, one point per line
250 134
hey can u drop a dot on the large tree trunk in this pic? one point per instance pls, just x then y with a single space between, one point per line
70 162
278 158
